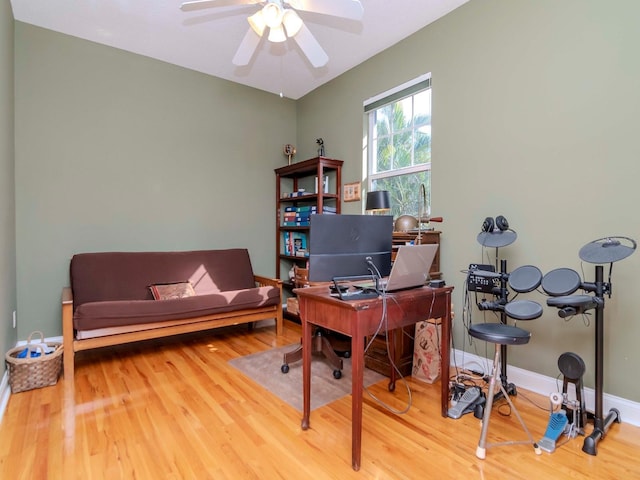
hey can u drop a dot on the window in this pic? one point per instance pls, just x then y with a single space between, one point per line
399 146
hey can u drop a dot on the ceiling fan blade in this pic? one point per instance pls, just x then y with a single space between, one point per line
202 4
247 48
311 48
351 9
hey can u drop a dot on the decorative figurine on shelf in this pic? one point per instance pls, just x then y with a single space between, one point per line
292 274
320 143
289 151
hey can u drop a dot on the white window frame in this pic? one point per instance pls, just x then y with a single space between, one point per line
393 95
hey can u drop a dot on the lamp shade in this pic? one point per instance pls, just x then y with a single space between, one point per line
276 34
292 22
257 22
378 200
272 15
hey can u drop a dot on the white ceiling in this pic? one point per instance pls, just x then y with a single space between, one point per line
206 40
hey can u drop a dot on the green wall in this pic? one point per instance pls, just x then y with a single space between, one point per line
8 334
535 106
118 152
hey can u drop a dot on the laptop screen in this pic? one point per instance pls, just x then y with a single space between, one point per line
411 266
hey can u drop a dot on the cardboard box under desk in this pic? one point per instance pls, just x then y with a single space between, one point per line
292 305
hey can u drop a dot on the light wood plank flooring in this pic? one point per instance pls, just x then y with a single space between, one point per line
175 409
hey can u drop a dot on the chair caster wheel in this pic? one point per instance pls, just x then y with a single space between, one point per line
284 368
337 374
346 354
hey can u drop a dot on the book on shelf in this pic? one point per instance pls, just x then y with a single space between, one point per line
310 208
325 184
295 244
292 215
299 193
304 223
288 243
299 242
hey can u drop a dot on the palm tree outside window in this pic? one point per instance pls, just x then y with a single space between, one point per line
399 145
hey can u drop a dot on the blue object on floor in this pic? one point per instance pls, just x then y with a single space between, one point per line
25 353
557 423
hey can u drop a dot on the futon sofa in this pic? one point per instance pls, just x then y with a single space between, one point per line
111 299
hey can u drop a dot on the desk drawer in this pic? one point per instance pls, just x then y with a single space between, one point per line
376 357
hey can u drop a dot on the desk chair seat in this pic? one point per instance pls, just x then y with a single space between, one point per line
320 343
499 334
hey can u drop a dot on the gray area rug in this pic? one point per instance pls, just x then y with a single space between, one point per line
264 369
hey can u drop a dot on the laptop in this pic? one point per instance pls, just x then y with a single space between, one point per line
410 268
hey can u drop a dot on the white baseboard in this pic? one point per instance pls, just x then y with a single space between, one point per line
47 339
629 410
5 393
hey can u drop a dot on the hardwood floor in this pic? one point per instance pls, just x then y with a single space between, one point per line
175 409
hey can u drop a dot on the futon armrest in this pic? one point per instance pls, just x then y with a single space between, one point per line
67 295
267 281
273 282
67 331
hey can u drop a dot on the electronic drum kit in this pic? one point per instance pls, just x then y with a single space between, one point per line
560 285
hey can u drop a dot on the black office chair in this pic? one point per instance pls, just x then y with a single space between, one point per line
320 343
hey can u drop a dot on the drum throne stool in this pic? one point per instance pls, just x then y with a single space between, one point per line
501 335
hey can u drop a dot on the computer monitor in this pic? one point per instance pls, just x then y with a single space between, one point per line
339 245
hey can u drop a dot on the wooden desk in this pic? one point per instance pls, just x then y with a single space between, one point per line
358 319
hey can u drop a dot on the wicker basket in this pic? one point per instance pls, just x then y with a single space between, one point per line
34 372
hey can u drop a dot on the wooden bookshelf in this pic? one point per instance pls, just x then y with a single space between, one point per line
320 178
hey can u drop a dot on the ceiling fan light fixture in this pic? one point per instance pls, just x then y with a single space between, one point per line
277 35
272 14
283 23
291 21
257 22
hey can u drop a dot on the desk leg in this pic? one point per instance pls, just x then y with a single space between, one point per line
306 373
357 378
445 345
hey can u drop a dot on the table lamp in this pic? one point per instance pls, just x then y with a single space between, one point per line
378 202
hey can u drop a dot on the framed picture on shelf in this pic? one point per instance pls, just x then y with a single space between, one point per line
351 192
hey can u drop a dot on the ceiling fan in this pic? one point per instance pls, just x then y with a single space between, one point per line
282 21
